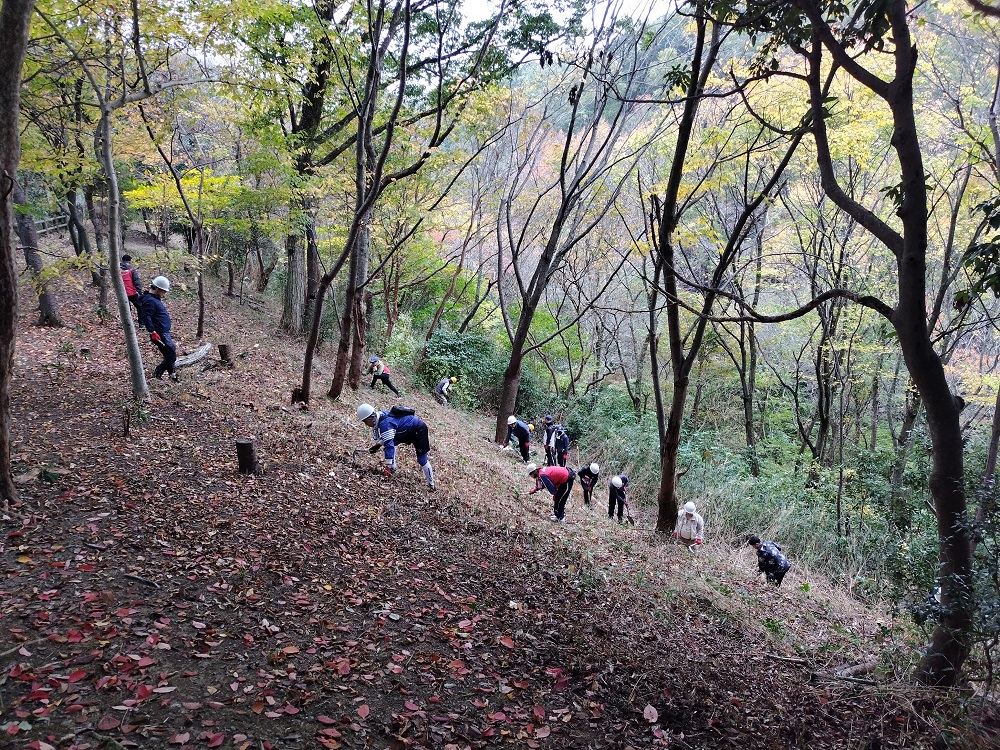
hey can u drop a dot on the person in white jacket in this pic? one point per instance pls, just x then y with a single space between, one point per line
690 528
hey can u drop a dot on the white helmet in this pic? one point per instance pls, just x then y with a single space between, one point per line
511 419
365 411
617 482
531 468
161 282
595 469
689 507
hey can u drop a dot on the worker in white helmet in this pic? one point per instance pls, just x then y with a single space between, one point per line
518 431
617 490
398 426
153 316
690 528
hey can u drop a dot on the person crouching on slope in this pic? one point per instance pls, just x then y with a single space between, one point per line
588 479
379 370
559 481
617 489
398 426
442 389
518 430
690 528
771 561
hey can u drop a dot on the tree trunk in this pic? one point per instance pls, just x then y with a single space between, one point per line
199 238
99 220
357 275
15 19
899 509
48 311
292 318
362 316
105 155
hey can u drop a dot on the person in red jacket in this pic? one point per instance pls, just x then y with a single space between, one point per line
559 481
131 280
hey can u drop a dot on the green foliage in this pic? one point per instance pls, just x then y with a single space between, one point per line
475 359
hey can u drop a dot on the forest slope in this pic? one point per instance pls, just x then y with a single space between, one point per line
153 598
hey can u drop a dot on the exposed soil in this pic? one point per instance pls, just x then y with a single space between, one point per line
153 597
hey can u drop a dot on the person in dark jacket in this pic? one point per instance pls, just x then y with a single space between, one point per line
617 489
153 316
559 481
771 561
549 440
518 430
442 389
379 370
131 280
561 445
588 479
398 426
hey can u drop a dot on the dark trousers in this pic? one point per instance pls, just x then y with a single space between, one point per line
384 377
588 491
134 299
613 500
169 357
523 447
550 456
560 498
775 578
562 459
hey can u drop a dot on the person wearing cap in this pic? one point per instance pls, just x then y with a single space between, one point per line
398 426
617 497
519 431
549 440
560 445
379 370
588 479
131 280
771 561
153 316
690 528
442 389
559 481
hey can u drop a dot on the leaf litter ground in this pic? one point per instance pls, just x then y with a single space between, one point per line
154 598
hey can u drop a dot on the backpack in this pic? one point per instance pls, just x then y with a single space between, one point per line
402 411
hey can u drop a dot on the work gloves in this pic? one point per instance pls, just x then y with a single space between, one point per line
155 337
697 541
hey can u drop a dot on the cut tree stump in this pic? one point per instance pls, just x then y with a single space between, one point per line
196 356
246 455
224 353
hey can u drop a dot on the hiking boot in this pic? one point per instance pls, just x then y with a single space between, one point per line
173 376
562 520
553 517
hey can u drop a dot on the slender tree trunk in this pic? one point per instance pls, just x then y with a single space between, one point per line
99 220
899 508
199 239
15 19
987 498
48 311
106 156
357 275
292 317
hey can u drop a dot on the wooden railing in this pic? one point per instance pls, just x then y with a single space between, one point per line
52 223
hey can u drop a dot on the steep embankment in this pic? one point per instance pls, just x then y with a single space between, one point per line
152 597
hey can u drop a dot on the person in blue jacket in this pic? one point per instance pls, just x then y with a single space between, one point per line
153 316
518 430
398 426
561 445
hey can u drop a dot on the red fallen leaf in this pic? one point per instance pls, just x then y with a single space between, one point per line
488 732
143 692
144 662
191 705
539 713
216 739
290 709
507 641
180 739
736 702
13 729
542 732
363 711
107 722
291 649
258 706
344 667
650 714
165 689
411 706
129 728
76 676
322 719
